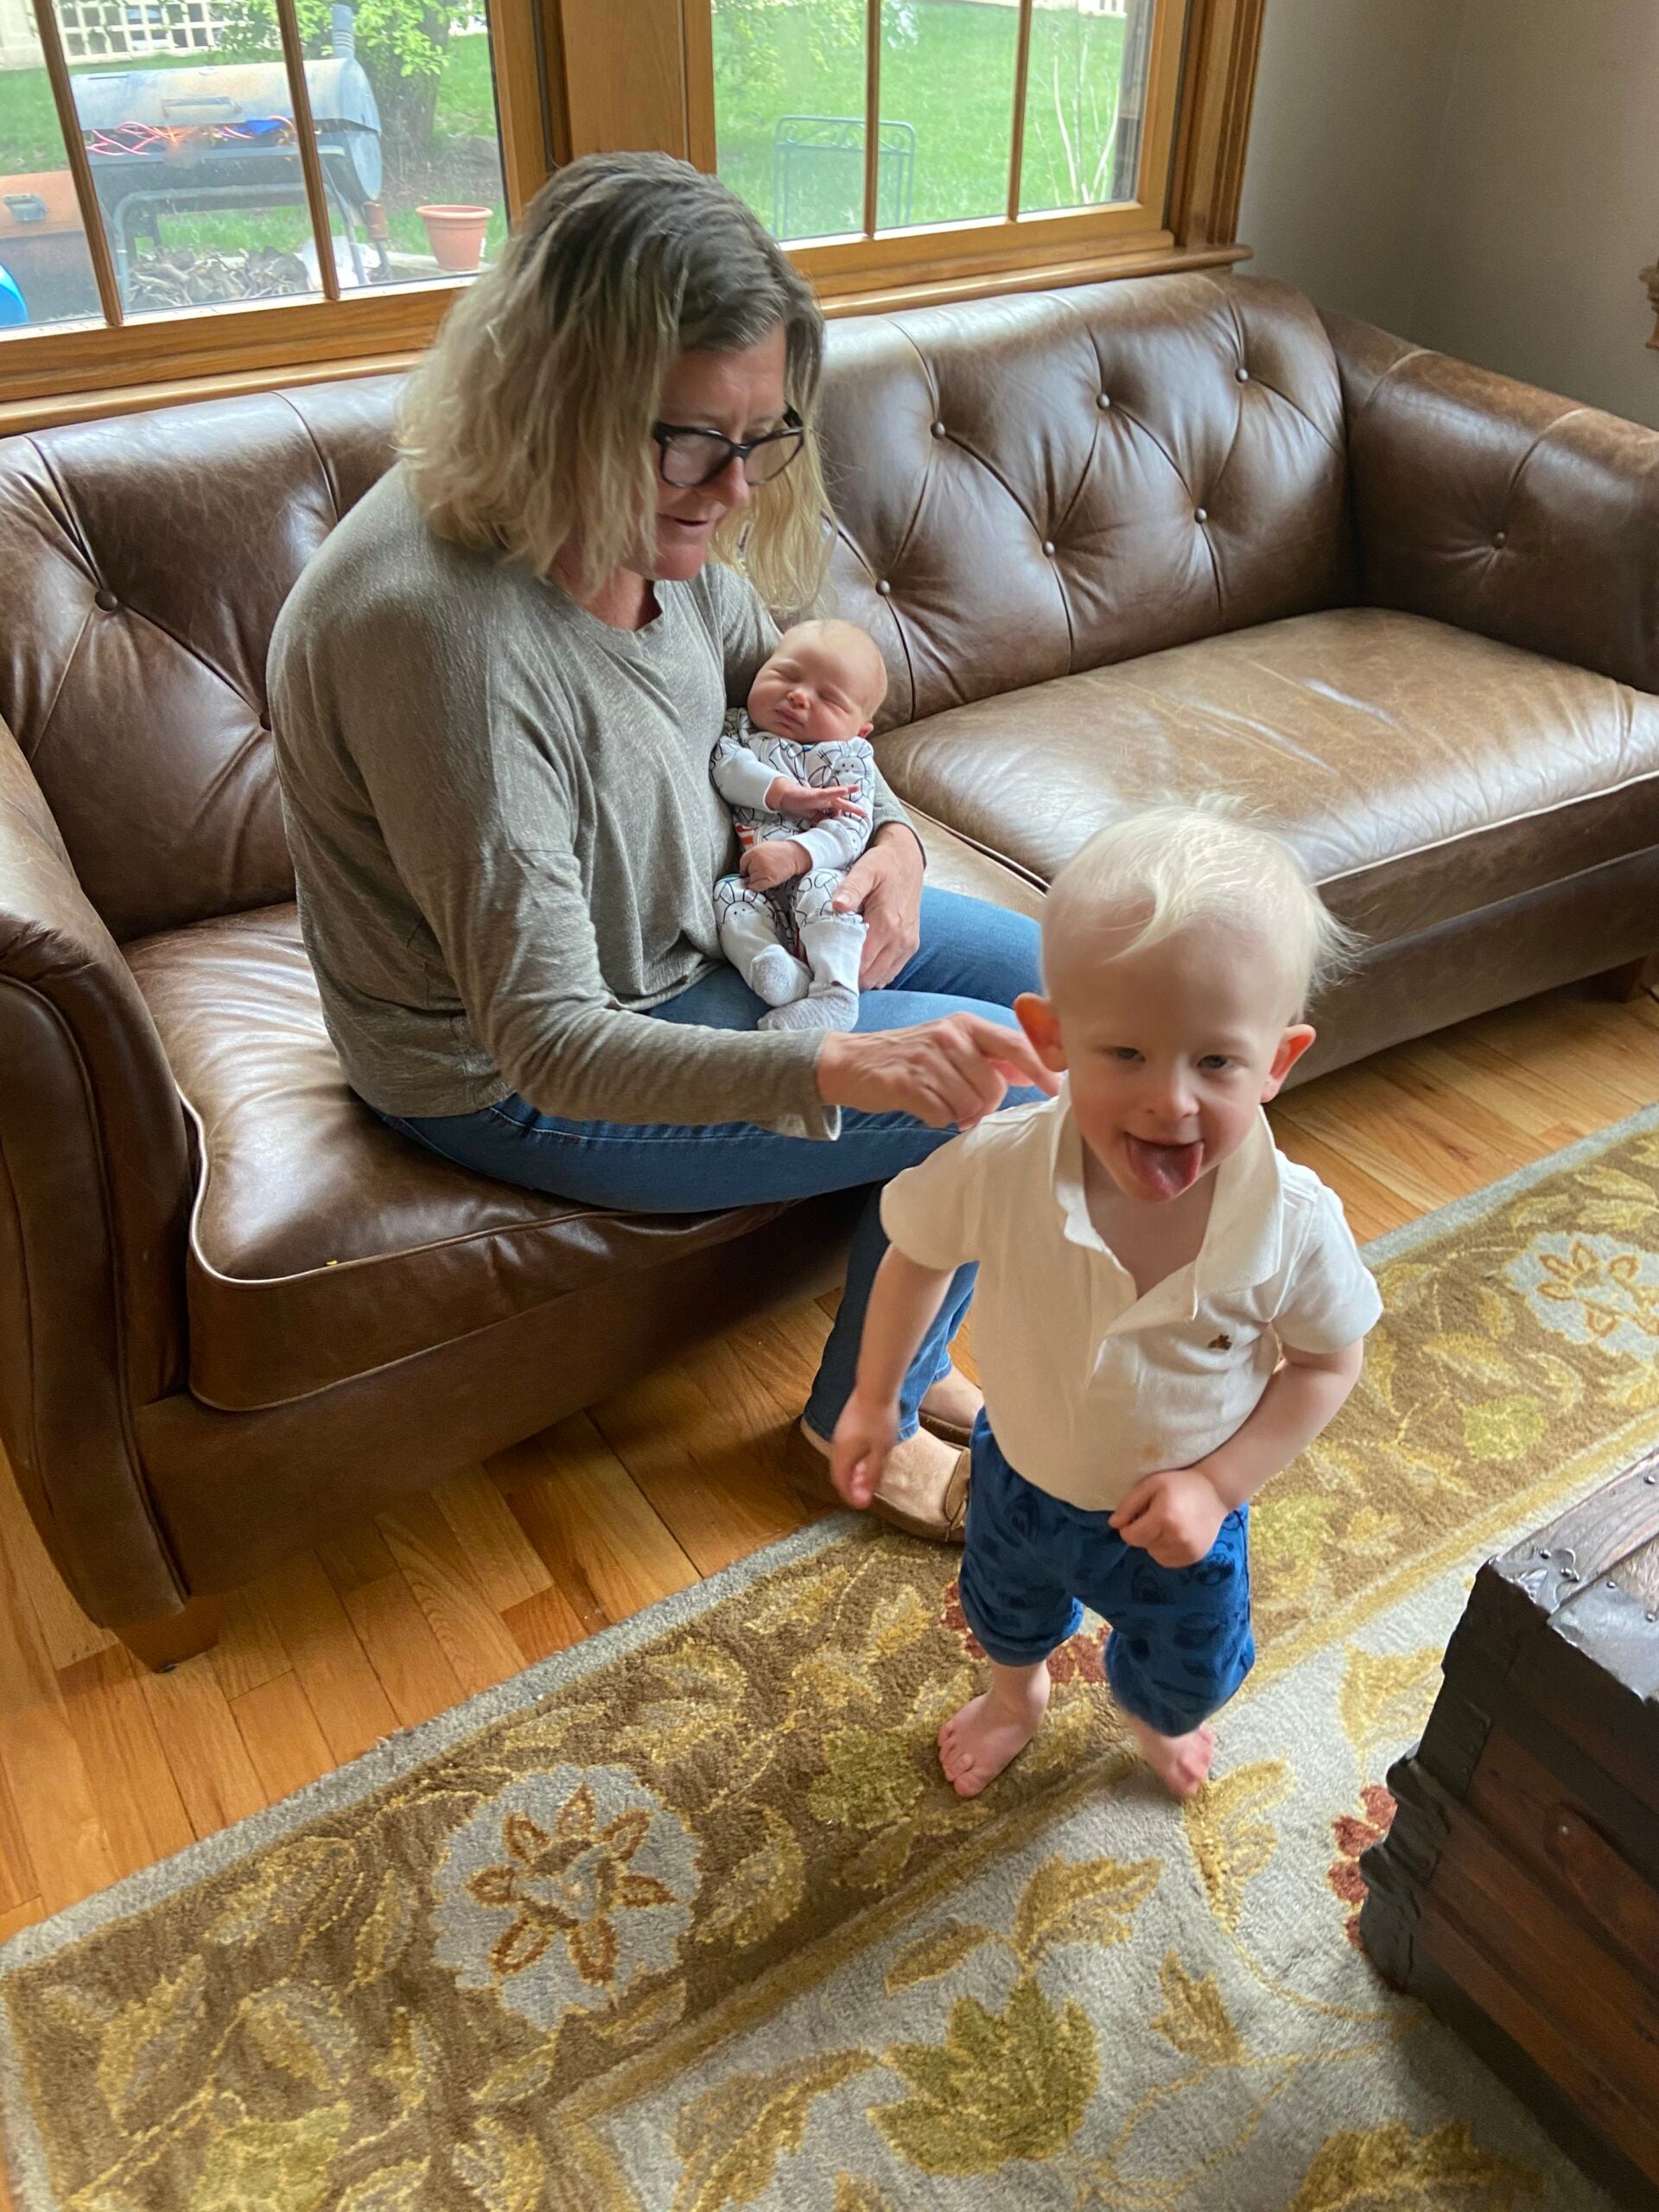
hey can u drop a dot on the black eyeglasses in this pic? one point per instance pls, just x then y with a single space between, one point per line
688 458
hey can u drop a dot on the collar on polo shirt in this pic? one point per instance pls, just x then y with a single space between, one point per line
1243 1239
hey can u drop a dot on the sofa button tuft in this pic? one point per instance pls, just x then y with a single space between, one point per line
883 587
1201 514
105 599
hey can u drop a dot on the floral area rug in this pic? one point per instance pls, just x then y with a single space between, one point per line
685 1919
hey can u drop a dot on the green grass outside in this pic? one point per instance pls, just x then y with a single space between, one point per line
952 80
29 141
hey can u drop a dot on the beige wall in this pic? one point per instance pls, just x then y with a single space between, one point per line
1349 101
1482 175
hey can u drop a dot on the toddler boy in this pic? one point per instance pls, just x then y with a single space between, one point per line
1168 1312
798 773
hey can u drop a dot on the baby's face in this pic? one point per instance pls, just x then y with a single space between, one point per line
1170 1050
809 691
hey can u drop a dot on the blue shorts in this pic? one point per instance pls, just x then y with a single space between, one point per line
1180 1643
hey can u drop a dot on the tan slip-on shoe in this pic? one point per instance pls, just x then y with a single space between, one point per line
950 1408
923 1485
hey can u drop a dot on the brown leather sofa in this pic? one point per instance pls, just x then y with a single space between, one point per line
1152 536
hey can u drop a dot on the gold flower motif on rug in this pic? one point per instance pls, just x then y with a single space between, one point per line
1539 1343
688 1921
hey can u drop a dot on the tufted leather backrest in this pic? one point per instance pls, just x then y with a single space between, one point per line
1032 485
1024 487
143 561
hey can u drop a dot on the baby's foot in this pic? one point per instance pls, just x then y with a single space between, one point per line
778 977
1181 1763
977 1743
834 1008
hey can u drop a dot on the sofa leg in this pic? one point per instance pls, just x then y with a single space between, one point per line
1629 982
164 1643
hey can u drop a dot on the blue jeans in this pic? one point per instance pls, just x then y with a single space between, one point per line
974 957
1181 1641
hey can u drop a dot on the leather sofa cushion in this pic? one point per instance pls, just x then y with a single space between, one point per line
1029 486
1422 772
143 561
322 1244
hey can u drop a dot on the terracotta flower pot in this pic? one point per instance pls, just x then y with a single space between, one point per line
456 236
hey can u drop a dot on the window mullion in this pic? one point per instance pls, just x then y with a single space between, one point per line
872 113
1021 74
316 193
91 215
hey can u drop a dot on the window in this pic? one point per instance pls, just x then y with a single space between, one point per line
792 79
222 194
899 143
185 183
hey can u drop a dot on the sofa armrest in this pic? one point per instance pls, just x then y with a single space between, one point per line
95 1182
1495 507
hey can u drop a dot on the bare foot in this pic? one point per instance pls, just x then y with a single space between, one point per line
1181 1763
977 1743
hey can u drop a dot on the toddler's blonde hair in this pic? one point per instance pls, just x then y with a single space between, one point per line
1163 868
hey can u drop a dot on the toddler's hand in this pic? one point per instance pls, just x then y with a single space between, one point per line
864 1435
1175 1514
777 860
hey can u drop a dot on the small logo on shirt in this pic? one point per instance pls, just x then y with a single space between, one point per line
1221 1343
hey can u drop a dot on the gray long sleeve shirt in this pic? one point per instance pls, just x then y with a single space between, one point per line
505 833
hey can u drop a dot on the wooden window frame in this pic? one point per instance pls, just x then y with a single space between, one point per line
566 85
67 372
937 259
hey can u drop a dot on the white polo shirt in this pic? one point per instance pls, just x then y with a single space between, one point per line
1087 1386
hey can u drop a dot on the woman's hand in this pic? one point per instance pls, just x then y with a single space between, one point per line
953 1072
885 886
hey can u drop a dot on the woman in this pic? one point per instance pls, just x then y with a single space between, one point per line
496 691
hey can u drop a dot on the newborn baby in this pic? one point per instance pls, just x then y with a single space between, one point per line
796 770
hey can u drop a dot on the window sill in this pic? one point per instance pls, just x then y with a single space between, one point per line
880 296
20 415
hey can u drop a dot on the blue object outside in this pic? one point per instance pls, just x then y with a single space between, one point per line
13 307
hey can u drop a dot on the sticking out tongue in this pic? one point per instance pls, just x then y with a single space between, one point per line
1164 1170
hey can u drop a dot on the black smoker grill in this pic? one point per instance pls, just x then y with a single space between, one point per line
160 141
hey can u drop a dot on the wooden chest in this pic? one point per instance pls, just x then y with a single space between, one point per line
1518 1893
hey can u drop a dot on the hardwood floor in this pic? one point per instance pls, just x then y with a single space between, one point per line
103 1768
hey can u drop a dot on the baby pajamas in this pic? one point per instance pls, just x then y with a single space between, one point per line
788 945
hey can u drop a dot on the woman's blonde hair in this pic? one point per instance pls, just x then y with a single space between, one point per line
1162 867
531 418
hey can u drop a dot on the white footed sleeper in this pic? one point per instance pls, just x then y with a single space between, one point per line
788 945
